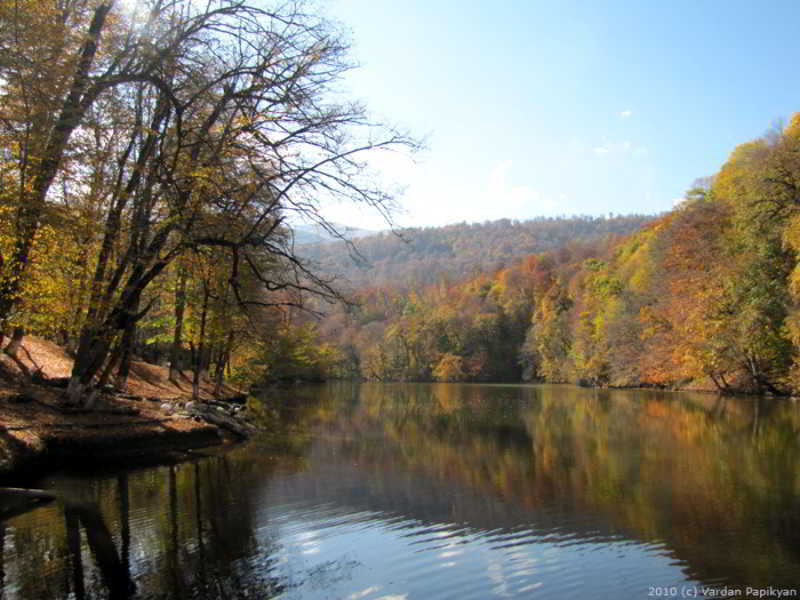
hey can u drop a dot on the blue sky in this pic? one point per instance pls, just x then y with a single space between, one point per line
549 108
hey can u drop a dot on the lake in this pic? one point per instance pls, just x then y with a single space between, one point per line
401 491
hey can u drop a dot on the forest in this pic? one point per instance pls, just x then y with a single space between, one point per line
423 255
152 158
705 297
153 164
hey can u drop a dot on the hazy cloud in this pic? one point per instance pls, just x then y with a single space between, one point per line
433 199
622 147
626 113
512 200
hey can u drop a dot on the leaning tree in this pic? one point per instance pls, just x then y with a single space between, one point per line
232 124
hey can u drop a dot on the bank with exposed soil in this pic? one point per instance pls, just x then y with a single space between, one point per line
152 419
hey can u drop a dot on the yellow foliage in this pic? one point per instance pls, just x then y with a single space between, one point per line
450 368
793 129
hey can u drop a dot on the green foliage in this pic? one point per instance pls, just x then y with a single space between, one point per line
290 354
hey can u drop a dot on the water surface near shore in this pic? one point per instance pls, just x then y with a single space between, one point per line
439 491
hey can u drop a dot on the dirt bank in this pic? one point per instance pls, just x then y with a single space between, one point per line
148 419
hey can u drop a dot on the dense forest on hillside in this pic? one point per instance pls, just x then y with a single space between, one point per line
707 296
418 256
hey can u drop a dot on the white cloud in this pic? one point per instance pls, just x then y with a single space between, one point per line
489 191
395 171
625 113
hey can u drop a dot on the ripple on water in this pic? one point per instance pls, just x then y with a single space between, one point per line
488 497
393 557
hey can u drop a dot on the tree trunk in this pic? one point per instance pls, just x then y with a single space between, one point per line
177 338
95 341
198 356
97 299
210 414
111 364
32 203
126 347
13 348
16 341
755 376
93 350
224 359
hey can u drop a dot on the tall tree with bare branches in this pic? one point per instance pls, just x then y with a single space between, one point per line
232 126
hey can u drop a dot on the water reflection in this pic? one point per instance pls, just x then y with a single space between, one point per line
113 571
438 491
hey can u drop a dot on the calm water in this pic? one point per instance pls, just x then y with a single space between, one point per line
440 491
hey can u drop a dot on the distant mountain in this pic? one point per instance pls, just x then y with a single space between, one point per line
316 234
423 255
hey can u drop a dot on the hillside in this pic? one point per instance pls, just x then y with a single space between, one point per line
148 380
423 255
706 296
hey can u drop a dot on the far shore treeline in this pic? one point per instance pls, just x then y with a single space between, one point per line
706 296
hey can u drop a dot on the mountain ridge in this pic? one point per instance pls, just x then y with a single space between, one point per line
421 255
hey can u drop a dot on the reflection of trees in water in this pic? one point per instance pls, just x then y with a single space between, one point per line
114 574
193 536
74 548
2 557
180 531
211 532
125 521
715 479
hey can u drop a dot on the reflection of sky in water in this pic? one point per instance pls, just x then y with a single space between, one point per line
447 492
361 557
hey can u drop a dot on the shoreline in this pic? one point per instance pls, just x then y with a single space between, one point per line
128 444
151 419
36 436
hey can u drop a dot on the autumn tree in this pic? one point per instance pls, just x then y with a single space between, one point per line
225 121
